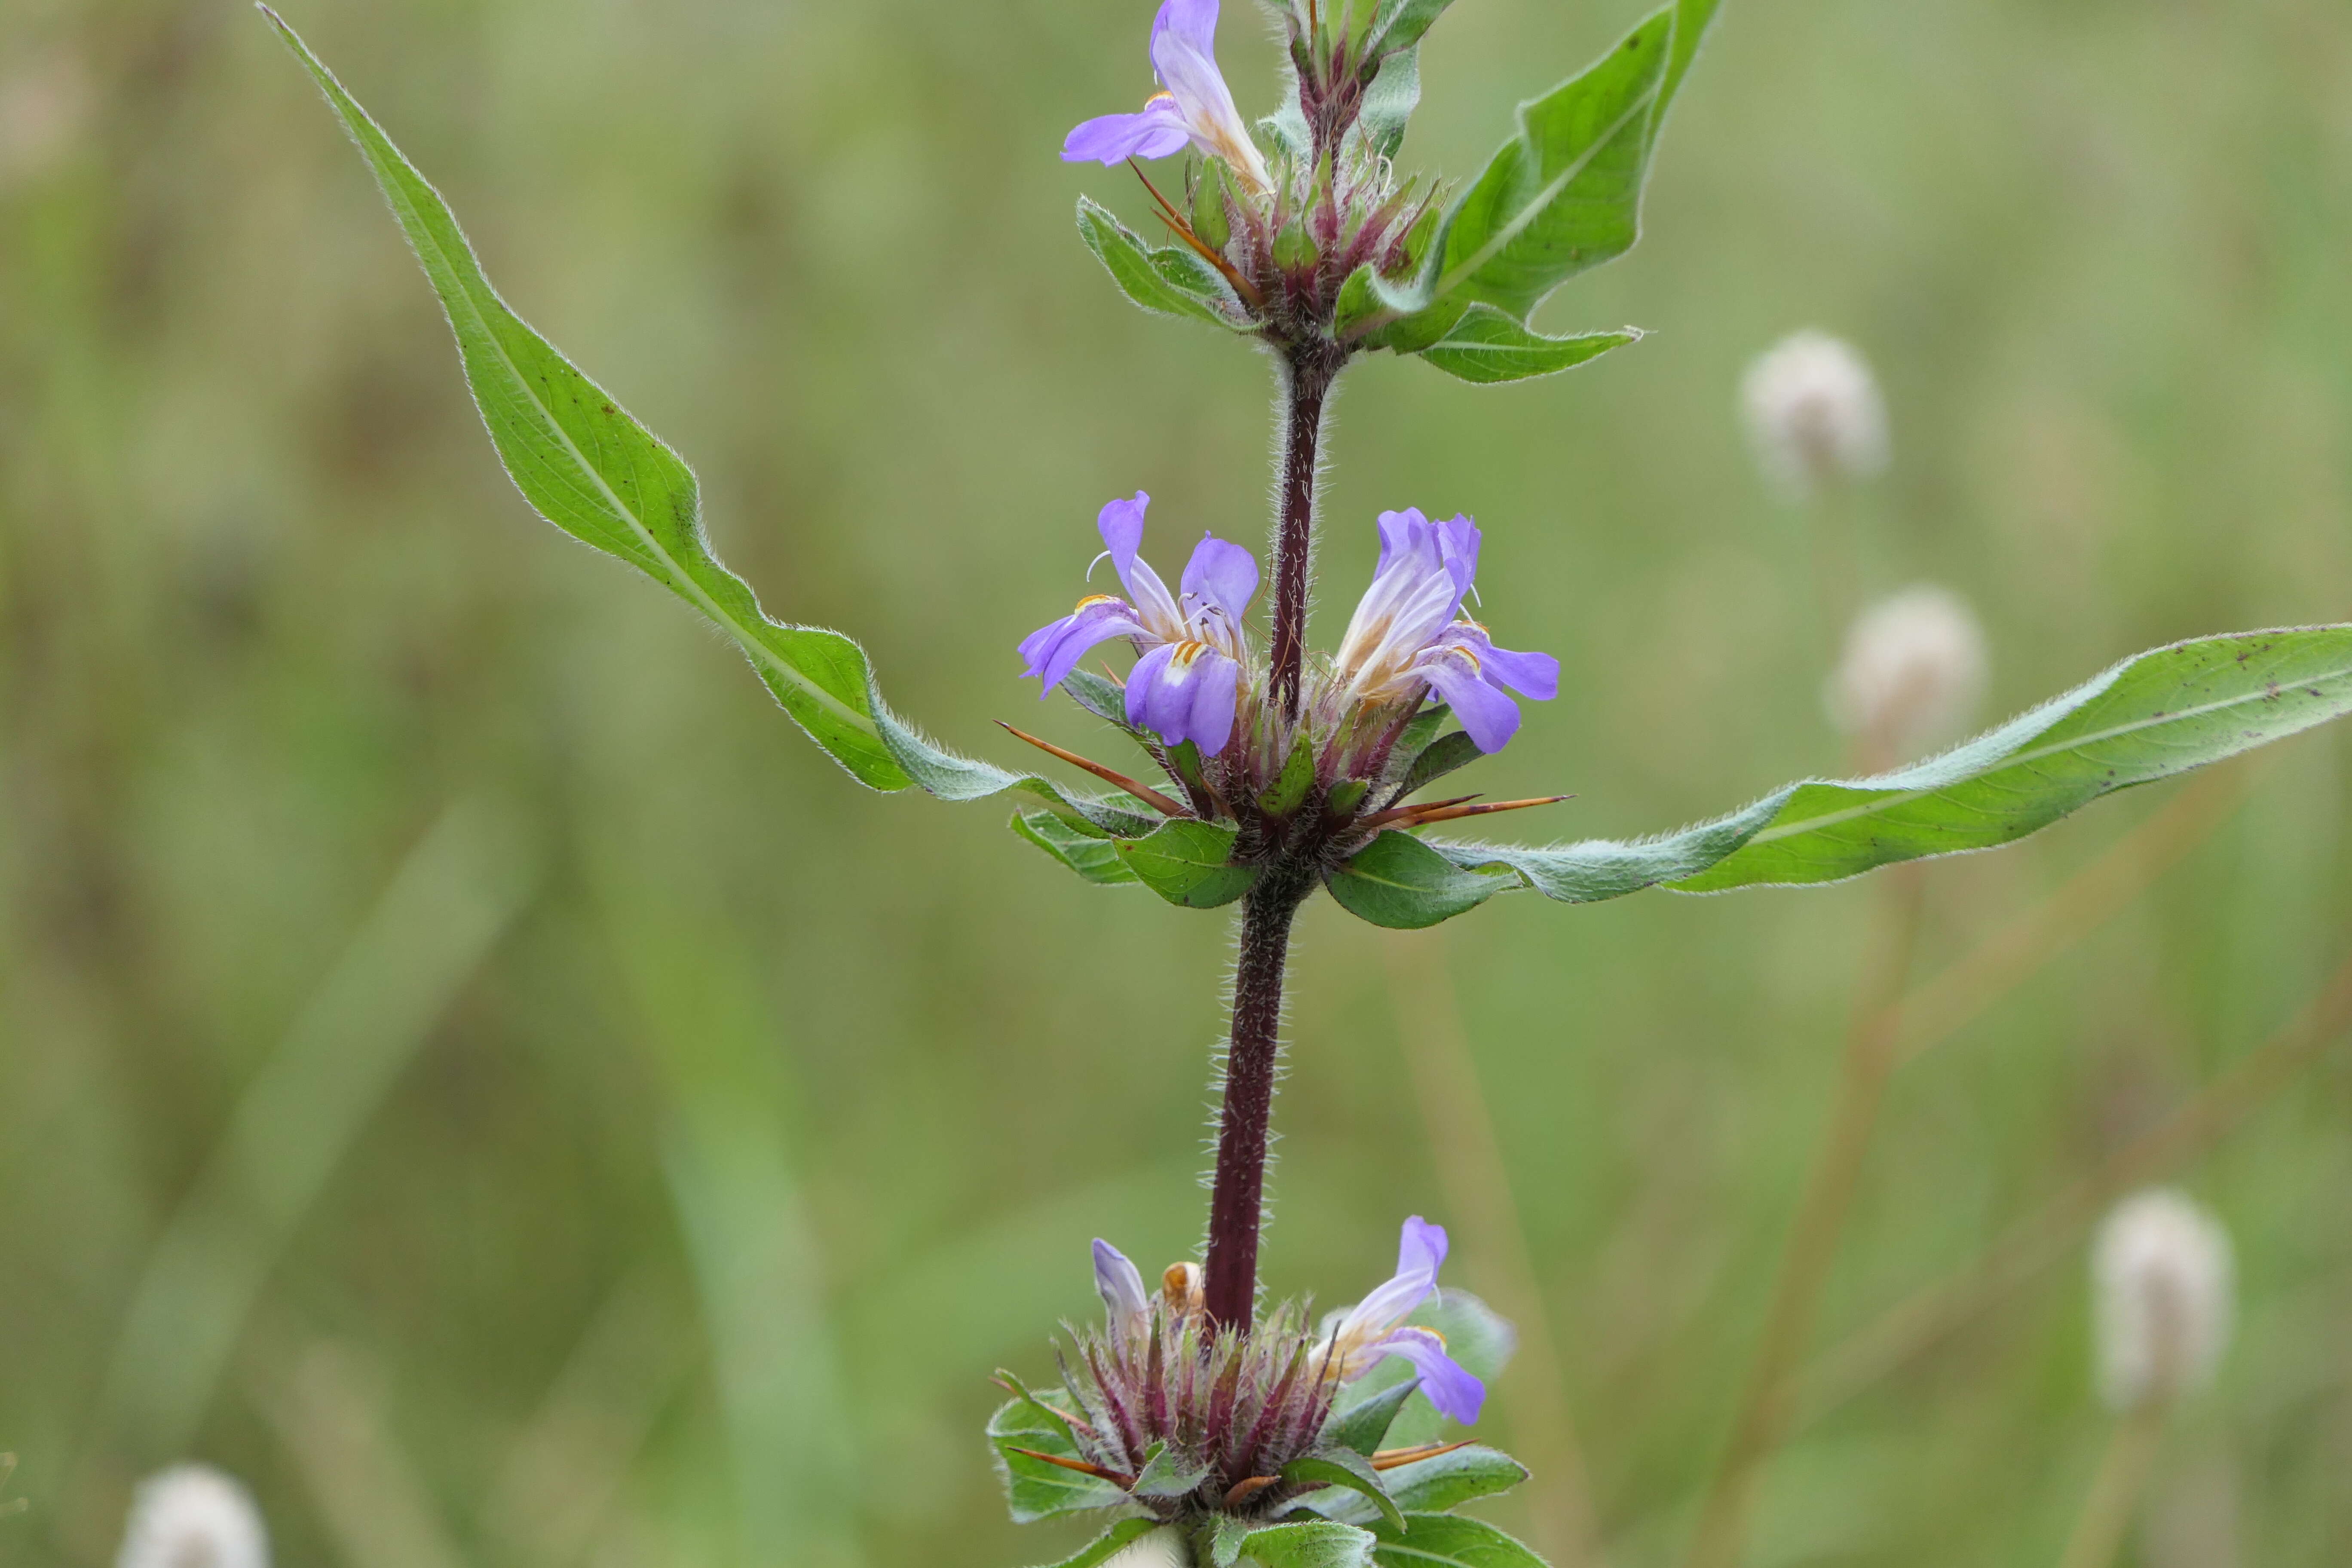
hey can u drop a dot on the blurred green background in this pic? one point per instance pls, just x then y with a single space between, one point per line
474 1070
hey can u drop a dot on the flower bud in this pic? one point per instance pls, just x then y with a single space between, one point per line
2160 1274
1814 413
192 1516
1912 675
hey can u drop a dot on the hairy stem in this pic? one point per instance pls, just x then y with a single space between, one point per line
1767 1402
1309 370
1251 1060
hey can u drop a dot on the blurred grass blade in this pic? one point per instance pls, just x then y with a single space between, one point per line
727 1112
328 1411
2161 714
588 468
443 910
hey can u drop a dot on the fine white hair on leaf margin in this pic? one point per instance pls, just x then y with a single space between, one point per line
192 1516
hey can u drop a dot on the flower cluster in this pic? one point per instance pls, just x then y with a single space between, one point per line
1188 1420
1199 683
1286 233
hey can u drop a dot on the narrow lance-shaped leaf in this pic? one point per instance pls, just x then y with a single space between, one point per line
591 470
2151 717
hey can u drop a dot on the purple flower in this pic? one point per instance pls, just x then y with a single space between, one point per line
1193 104
1188 682
1408 635
1371 1333
1119 1285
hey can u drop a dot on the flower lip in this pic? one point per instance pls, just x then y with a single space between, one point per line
1374 1328
1192 105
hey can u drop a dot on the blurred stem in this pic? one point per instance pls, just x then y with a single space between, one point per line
1252 1056
1309 369
2116 1490
1769 1401
1477 1184
2046 1235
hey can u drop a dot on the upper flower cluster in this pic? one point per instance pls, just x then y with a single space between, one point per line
1285 231
1201 682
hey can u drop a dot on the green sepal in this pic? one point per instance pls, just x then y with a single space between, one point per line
1284 132
1034 1489
1112 1541
1166 1475
1189 862
1225 1534
1362 1427
1312 1543
1399 24
1211 225
1089 854
1288 793
1421 730
1398 881
1184 761
1437 759
1449 1541
1389 102
1346 795
1170 281
1486 347
1343 1466
1293 251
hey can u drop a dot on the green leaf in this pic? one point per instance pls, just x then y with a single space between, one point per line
1437 759
1343 1466
1288 793
1188 862
1171 281
1399 24
1226 1533
2161 714
1420 729
1167 1474
1449 1480
1034 1488
1089 854
588 468
1398 881
1362 1427
1487 347
1449 1541
1561 196
1114 1540
1316 1544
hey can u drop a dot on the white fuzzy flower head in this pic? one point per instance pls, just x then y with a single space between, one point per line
2160 1272
1912 675
192 1516
1814 413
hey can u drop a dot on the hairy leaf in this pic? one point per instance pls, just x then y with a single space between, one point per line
1398 881
1449 1541
1362 1424
1316 1543
588 468
2158 714
1167 1474
1487 347
1345 1467
1188 863
1114 1540
1449 1480
1034 1488
1171 281
1439 758
1089 855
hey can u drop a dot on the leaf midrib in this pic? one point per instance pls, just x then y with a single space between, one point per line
2017 759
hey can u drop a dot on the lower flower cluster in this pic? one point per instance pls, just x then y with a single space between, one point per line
1236 1444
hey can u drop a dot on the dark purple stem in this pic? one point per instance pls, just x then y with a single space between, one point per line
1251 1058
1309 369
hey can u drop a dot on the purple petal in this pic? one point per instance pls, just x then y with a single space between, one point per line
1188 698
1398 530
1421 1249
1221 576
1448 1384
1192 23
1491 718
1457 546
1154 131
1121 523
1052 651
1535 675
1119 1285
